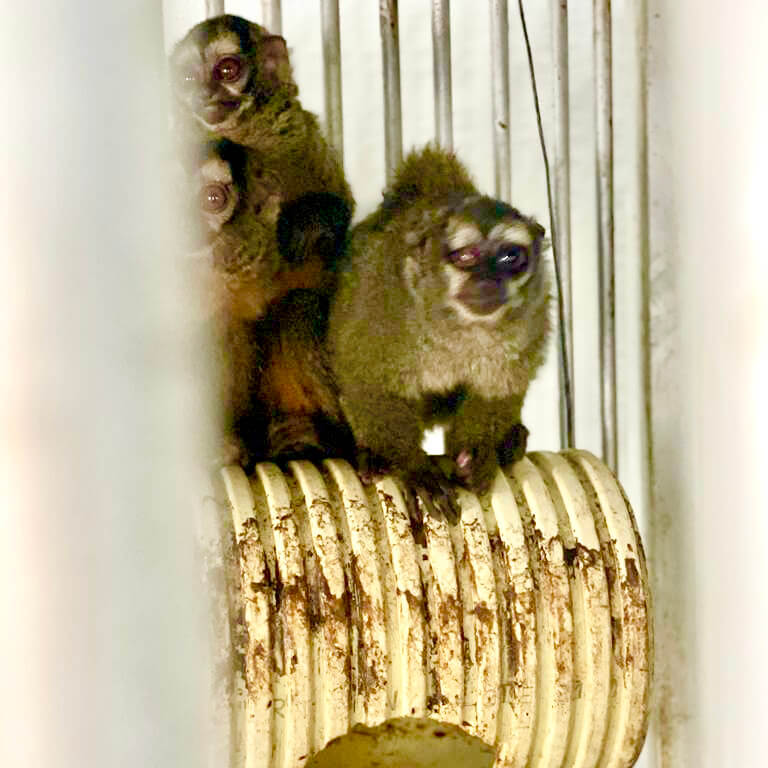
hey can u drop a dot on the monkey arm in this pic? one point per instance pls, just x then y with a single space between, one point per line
313 228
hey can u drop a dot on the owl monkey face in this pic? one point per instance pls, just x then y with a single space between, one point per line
486 257
234 256
227 66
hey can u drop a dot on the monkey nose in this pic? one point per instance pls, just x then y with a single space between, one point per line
483 296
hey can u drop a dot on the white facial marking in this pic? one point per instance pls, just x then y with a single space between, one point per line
411 275
223 46
515 232
461 234
214 169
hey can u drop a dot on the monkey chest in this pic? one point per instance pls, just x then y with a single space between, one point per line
490 373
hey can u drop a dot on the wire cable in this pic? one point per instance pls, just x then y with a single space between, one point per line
564 362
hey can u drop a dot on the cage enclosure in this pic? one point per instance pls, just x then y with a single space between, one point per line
522 635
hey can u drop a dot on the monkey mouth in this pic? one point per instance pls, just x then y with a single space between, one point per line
218 111
483 296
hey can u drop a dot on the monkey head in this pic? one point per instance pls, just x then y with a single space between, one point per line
255 248
480 255
226 68
236 253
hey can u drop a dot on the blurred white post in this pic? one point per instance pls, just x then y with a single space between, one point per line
102 653
708 328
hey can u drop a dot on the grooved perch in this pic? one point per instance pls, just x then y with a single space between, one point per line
521 635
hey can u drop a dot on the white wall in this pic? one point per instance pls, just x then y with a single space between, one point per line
709 323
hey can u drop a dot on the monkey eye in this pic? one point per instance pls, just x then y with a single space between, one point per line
511 258
227 69
214 198
466 258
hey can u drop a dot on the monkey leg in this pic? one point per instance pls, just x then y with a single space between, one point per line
389 433
483 433
387 429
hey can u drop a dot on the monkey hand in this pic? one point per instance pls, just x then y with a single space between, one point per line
370 466
475 467
429 481
434 487
512 446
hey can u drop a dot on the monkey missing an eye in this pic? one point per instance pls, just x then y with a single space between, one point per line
440 318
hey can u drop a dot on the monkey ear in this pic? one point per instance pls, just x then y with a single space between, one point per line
313 225
275 64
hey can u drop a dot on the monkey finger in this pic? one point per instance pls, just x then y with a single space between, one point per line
435 491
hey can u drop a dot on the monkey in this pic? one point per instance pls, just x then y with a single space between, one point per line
232 80
276 222
441 317
266 291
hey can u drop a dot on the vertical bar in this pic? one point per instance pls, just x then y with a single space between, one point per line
334 126
561 226
441 69
500 85
213 8
390 52
672 562
272 16
604 133
561 229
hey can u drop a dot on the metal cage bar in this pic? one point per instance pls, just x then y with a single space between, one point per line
334 121
441 61
500 85
604 157
561 183
272 16
214 8
390 52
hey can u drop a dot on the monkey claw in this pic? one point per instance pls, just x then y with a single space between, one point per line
519 636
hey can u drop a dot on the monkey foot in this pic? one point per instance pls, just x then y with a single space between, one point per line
294 437
370 466
513 444
435 490
475 469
